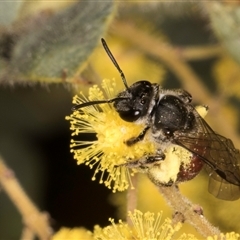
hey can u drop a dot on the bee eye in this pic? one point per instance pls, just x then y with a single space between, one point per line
134 102
129 116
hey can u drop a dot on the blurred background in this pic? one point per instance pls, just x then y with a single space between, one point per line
49 51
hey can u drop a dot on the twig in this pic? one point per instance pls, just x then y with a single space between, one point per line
36 221
181 204
27 234
169 55
132 196
201 52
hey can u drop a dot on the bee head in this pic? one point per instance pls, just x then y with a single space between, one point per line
134 102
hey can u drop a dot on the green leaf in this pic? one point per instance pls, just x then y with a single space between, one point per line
61 44
225 21
9 11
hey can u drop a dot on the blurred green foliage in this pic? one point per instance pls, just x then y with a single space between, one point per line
52 46
225 20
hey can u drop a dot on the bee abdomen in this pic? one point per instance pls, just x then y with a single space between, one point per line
191 170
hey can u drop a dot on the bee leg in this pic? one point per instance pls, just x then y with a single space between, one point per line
146 161
150 159
139 138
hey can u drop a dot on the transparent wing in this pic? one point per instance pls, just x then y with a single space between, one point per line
220 188
220 155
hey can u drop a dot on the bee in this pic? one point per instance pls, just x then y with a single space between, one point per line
171 119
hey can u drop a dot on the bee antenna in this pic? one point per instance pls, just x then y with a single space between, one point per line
114 62
86 104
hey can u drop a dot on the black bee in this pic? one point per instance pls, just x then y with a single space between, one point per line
171 119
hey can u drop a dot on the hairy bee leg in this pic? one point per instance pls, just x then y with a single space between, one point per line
154 158
145 161
139 138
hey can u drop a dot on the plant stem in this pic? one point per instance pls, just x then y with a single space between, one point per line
27 234
181 204
132 197
36 221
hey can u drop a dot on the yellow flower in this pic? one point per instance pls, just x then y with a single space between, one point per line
227 74
144 226
148 226
108 153
72 234
227 236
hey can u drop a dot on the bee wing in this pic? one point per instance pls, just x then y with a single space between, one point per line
220 188
220 155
